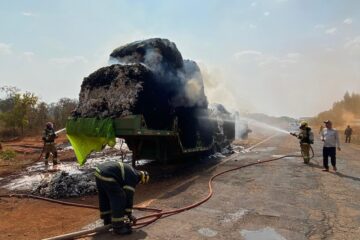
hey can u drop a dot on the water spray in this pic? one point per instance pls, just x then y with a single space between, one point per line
264 125
60 131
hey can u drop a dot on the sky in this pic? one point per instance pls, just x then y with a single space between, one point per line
279 57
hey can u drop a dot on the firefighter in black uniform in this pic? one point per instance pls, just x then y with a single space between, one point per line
116 182
49 136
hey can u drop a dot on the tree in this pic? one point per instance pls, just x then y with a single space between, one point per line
17 115
38 116
61 110
342 112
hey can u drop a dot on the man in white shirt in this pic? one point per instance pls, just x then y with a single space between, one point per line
330 137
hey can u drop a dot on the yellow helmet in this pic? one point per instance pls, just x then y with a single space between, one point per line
144 177
303 124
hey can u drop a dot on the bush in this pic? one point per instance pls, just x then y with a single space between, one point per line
7 155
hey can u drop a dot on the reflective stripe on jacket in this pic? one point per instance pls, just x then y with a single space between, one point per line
120 173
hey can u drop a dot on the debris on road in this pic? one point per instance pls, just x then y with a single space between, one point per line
64 185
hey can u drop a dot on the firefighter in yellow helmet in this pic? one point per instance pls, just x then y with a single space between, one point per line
306 138
116 182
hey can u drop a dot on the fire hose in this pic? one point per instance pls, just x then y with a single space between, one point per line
147 219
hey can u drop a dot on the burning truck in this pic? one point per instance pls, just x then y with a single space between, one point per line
153 99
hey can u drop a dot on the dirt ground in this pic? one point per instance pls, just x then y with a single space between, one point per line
283 200
28 150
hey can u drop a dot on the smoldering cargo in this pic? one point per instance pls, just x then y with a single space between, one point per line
157 102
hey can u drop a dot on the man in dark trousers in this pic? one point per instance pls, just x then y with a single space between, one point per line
330 137
348 133
116 182
49 136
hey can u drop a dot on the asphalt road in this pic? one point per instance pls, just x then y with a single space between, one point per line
279 200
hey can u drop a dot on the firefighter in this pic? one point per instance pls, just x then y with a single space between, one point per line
306 138
116 182
49 136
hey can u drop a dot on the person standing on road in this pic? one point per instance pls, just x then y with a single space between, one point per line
116 182
348 133
306 137
330 137
49 136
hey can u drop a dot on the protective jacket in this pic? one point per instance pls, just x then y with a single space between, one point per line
306 136
49 135
125 176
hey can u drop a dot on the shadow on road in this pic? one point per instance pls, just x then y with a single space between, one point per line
137 234
336 173
346 176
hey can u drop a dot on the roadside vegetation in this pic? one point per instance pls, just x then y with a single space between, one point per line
343 113
24 114
7 155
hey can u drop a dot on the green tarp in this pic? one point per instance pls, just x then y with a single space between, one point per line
89 134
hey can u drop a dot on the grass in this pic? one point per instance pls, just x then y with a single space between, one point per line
7 155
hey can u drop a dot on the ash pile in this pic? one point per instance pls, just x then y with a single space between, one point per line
64 185
151 78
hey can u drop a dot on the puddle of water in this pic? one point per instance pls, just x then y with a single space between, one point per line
233 217
261 234
207 232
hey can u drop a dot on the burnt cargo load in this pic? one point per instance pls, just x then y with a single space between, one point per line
156 100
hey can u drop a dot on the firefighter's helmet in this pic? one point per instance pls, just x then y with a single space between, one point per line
49 125
303 124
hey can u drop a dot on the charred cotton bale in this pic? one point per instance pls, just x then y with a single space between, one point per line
122 90
160 55
191 93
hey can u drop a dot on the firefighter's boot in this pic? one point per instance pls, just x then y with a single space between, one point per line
107 220
121 228
55 161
